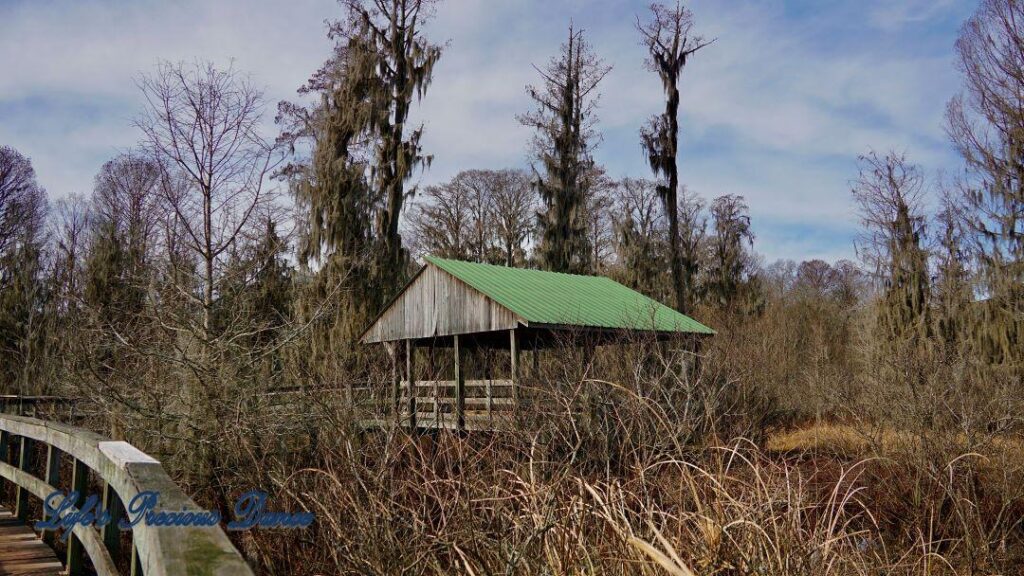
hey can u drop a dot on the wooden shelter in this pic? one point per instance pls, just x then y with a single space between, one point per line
456 305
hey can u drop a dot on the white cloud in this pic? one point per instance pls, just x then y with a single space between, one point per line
777 109
891 16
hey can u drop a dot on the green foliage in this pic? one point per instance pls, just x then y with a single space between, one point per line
564 139
905 307
24 307
889 191
354 186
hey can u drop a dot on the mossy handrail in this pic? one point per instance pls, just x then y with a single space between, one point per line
125 471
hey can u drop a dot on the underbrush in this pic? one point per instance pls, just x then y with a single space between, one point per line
649 458
499 504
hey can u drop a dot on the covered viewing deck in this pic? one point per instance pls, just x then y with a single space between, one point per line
458 331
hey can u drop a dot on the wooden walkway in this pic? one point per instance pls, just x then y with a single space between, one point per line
22 552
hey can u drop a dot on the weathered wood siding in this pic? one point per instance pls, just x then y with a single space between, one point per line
438 304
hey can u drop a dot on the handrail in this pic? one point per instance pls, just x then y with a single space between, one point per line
126 471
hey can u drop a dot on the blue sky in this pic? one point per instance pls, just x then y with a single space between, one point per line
776 110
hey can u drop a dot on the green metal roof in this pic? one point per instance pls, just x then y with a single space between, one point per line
540 297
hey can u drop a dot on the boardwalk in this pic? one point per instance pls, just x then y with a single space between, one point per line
123 472
22 552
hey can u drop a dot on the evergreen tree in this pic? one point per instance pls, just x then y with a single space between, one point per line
641 236
564 121
271 290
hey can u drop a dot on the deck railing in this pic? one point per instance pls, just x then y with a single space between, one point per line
124 472
486 404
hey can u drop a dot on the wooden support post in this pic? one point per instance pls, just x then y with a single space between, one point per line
53 479
21 494
536 359
5 440
460 388
435 384
79 484
111 531
396 382
514 349
488 380
410 377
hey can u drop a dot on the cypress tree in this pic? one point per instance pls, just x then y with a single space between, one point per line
670 43
564 121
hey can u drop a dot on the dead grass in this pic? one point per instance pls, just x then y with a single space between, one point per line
850 442
840 440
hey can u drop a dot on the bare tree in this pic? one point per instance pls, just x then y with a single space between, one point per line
670 42
600 202
440 221
641 234
478 188
986 124
514 205
203 125
70 229
730 262
479 215
692 232
23 295
127 195
21 197
815 276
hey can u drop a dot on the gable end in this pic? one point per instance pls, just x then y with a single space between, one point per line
437 303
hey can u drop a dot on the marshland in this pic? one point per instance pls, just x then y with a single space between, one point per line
834 391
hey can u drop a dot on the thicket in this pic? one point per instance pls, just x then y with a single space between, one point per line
846 418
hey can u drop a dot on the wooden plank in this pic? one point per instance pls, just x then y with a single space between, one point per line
21 494
5 439
452 383
436 304
410 377
514 349
460 389
396 389
79 484
21 553
112 532
162 550
52 478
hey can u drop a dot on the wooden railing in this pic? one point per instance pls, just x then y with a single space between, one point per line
123 471
486 405
37 406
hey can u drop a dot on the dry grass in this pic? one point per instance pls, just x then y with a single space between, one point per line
405 505
629 479
850 441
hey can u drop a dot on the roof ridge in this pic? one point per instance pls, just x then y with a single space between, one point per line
431 258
